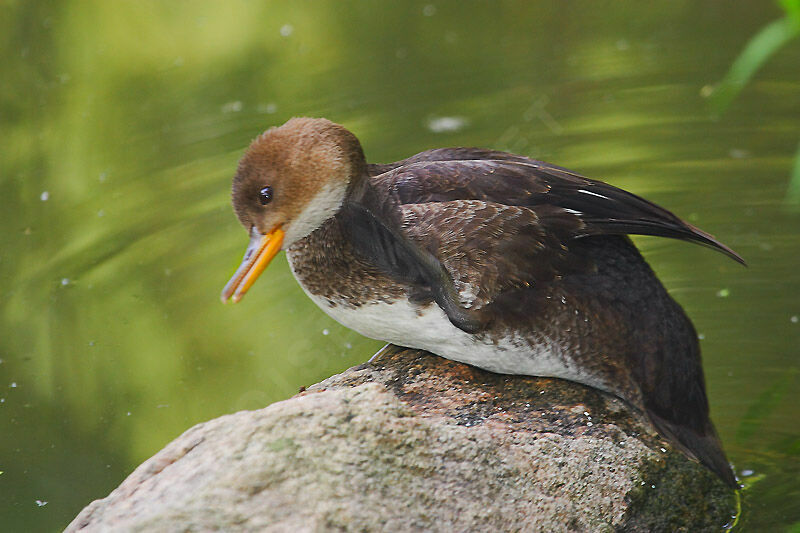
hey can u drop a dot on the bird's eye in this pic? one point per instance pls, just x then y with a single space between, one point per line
265 195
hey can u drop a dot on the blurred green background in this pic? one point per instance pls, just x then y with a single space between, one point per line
121 125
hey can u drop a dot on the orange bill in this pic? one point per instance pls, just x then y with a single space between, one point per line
260 251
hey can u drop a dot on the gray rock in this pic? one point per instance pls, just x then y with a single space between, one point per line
415 442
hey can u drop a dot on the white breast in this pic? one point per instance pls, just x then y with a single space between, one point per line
428 328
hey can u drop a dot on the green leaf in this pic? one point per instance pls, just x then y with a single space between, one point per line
757 51
791 8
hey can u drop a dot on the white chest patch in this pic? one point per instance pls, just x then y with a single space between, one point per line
428 328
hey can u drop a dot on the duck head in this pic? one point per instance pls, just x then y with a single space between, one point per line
289 182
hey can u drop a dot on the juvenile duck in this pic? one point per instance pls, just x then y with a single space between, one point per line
489 258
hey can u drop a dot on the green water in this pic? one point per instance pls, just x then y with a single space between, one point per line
121 124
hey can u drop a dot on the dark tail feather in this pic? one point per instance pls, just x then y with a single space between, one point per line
707 239
705 448
681 231
609 210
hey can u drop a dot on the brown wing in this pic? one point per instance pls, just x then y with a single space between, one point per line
489 248
466 230
517 181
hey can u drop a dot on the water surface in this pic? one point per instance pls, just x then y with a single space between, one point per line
122 124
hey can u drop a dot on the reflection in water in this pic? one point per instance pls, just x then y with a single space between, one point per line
122 127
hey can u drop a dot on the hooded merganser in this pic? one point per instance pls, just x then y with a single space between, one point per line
493 259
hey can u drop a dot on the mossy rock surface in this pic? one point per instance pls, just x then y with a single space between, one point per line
414 442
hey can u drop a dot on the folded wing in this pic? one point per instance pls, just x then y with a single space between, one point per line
603 208
471 229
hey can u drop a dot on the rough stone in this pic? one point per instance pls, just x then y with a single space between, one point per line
414 442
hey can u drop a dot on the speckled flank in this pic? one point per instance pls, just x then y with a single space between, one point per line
544 333
327 267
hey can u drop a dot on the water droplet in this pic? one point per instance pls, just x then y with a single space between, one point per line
706 91
446 124
269 108
232 107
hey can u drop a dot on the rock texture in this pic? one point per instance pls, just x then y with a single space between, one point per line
414 442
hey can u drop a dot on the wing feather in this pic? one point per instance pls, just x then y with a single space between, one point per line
489 248
467 225
603 208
